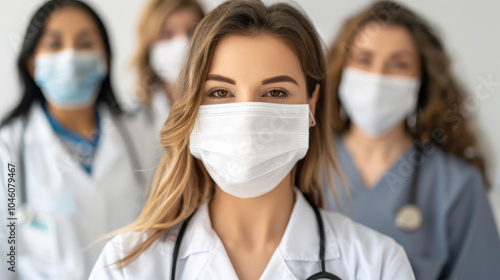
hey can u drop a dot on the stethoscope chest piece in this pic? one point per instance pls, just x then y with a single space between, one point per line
409 217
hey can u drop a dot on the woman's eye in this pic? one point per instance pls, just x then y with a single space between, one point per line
363 61
166 35
219 93
54 45
85 45
400 65
277 93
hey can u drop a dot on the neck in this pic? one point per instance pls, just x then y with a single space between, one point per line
253 222
387 147
80 121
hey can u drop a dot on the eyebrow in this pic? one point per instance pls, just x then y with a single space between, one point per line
53 33
86 32
403 53
220 78
277 79
360 51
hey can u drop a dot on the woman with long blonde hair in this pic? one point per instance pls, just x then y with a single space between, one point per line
237 193
407 145
163 35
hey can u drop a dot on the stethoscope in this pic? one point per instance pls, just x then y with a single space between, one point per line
410 216
25 214
323 274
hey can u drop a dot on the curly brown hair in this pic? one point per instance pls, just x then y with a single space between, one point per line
440 115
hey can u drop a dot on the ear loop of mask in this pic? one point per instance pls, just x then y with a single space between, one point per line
313 119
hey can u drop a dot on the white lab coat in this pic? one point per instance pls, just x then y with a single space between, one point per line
82 207
160 107
352 251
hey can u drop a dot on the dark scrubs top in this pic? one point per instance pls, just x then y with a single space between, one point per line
458 238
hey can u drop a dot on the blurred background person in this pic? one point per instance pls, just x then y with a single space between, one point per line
164 33
75 152
410 157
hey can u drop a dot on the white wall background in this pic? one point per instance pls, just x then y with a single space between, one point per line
469 29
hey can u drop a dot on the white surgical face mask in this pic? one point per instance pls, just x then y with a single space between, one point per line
167 57
377 103
248 148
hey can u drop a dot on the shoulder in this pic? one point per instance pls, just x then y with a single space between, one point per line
365 249
445 161
10 141
360 237
122 245
138 125
10 131
136 132
456 176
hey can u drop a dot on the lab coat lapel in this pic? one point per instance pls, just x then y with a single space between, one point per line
202 254
115 196
110 150
301 240
48 163
218 265
297 255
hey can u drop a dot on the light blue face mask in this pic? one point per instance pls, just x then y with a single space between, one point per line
69 78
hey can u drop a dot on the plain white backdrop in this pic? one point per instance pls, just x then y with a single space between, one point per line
469 30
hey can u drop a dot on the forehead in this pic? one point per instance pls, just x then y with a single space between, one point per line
376 37
70 19
181 16
262 55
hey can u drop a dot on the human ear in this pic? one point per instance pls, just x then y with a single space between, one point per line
312 104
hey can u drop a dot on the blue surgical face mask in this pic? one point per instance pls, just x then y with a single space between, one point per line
70 79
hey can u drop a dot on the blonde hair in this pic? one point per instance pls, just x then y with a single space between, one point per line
148 30
181 183
440 92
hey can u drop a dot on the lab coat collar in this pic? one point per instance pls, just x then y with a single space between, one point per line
40 136
300 241
39 132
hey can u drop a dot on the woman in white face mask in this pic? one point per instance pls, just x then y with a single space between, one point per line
164 33
68 152
406 145
244 155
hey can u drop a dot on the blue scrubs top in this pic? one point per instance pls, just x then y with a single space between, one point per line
458 238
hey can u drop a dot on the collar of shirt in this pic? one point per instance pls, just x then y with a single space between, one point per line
80 147
300 241
62 131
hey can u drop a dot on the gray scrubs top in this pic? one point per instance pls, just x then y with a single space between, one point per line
458 238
